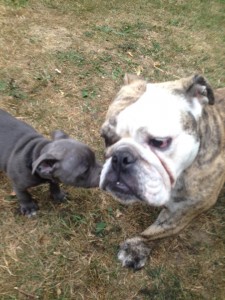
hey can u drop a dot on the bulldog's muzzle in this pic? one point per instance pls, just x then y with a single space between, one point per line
122 164
123 160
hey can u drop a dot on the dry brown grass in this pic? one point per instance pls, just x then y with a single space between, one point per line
61 63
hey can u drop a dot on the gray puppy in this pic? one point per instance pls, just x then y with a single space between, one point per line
29 159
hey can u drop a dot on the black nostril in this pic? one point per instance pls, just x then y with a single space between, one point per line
127 158
122 159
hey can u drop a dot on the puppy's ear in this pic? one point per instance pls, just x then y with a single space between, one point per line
44 165
59 134
199 88
129 78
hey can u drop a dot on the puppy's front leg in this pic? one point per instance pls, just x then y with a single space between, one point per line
27 206
134 252
57 194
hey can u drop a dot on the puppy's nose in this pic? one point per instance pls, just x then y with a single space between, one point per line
123 159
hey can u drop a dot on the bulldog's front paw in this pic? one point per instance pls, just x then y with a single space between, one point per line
133 253
29 209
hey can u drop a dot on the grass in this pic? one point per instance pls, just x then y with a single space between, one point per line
61 64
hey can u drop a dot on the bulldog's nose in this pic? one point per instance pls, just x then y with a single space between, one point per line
123 159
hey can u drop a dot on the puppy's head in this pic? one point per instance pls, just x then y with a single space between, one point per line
151 134
68 161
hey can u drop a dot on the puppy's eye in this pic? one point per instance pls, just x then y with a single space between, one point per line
83 176
158 143
85 172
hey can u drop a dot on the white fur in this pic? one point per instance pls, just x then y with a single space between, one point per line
158 109
104 171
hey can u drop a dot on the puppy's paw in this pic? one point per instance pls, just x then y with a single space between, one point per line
59 197
133 253
29 209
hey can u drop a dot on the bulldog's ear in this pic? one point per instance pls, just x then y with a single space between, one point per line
199 88
129 78
108 132
44 165
59 134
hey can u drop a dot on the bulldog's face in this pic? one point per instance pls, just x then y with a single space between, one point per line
152 135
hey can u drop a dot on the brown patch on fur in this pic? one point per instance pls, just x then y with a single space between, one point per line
196 86
108 132
127 95
190 124
220 102
133 89
211 129
220 95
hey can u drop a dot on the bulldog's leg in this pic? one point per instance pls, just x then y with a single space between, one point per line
57 194
172 219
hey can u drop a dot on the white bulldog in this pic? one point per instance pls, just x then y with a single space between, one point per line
164 146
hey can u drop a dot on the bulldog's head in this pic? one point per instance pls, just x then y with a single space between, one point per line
152 135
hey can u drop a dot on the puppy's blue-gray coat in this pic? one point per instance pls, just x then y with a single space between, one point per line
29 159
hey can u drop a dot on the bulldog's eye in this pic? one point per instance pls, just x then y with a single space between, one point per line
108 142
160 143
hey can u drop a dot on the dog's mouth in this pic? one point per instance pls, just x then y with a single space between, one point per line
121 189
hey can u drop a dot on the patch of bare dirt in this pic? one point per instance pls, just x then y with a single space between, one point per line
51 39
